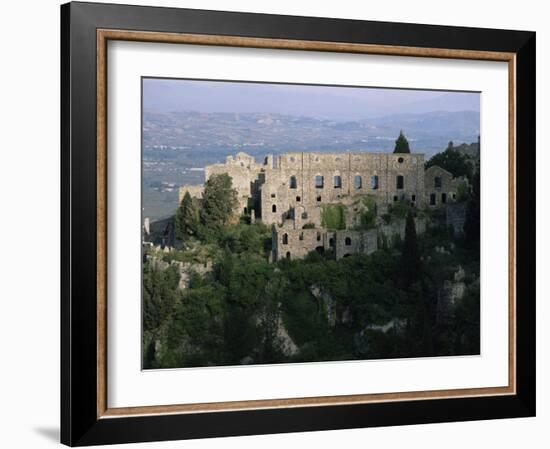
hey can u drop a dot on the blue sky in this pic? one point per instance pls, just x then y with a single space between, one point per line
326 102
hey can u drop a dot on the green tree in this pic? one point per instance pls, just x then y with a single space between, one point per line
411 264
402 144
187 218
452 160
195 334
159 295
219 202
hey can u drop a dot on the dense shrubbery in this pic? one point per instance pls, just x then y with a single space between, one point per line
333 216
399 209
330 309
247 310
367 217
452 160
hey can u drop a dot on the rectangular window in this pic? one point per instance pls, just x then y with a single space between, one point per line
432 199
400 182
319 182
374 182
337 182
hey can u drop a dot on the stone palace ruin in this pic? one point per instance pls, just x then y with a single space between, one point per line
300 194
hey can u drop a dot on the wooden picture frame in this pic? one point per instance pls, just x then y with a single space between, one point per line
85 417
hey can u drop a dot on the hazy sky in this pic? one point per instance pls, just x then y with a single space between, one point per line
335 103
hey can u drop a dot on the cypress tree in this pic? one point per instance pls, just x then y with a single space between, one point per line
414 284
402 144
186 218
411 265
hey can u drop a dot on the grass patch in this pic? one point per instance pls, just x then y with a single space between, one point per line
333 216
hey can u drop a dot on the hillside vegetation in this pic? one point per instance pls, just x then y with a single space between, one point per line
235 307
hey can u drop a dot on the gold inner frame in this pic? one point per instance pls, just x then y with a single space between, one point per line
104 35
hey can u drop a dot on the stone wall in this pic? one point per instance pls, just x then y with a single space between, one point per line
297 243
440 186
194 191
351 242
397 228
292 243
456 216
310 180
245 173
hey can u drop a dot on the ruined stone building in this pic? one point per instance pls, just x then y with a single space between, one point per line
440 186
292 191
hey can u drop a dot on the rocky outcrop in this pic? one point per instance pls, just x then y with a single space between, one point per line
185 269
450 294
456 217
288 346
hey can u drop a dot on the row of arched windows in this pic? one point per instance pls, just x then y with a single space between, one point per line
347 240
337 182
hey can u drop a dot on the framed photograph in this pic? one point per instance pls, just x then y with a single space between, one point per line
282 224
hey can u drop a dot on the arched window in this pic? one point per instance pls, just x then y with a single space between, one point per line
288 255
285 239
301 236
319 182
274 208
358 182
443 198
399 181
432 199
437 182
318 236
337 182
292 183
374 182
348 241
298 199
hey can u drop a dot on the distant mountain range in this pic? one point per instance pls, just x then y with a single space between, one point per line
261 133
178 145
